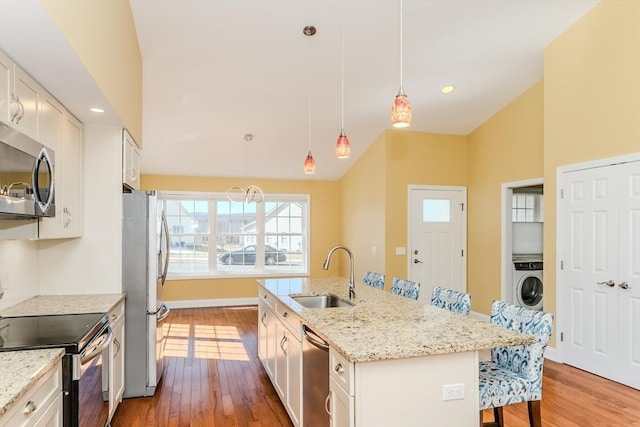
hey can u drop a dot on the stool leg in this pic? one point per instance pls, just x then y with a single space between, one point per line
498 416
534 413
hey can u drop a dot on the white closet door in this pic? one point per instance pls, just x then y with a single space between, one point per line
601 234
629 294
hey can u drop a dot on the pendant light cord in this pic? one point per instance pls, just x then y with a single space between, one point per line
401 88
309 90
342 62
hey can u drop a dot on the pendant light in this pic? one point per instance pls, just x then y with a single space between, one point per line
343 146
252 193
309 161
401 108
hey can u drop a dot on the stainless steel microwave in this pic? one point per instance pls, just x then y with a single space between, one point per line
26 176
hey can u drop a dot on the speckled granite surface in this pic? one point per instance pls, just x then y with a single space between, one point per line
20 370
64 304
385 326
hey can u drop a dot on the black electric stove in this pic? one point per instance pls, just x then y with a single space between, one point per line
69 331
84 337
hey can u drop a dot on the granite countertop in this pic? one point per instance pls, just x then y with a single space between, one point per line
383 326
20 370
64 304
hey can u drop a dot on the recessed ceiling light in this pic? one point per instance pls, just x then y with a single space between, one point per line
96 110
448 89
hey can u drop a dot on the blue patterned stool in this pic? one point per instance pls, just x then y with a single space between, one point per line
514 374
458 302
405 288
374 279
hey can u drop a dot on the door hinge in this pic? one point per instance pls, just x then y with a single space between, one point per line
561 336
462 252
462 206
561 265
562 193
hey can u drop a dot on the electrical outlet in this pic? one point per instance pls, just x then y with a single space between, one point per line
452 391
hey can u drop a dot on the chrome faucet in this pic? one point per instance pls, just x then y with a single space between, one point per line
325 266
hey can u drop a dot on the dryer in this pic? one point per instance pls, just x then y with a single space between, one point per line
527 281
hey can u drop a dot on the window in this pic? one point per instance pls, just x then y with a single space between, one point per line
268 238
526 207
436 210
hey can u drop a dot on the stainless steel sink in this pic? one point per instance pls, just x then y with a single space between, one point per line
321 301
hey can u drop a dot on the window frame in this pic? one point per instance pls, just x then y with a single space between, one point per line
259 269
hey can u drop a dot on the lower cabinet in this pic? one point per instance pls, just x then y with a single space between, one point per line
115 367
41 406
340 406
280 350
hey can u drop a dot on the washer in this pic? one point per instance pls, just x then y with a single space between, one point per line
527 282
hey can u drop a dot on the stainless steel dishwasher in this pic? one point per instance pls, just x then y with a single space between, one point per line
315 379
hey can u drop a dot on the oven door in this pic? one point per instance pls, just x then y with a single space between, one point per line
92 409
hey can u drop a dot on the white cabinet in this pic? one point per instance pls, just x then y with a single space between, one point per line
341 390
340 406
115 376
130 162
69 221
40 406
19 98
280 350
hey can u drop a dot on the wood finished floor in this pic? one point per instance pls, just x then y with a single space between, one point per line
213 378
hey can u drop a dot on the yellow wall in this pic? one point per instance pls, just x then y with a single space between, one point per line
375 191
363 211
591 103
506 148
416 158
324 228
103 35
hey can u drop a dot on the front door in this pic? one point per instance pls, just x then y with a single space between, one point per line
600 270
437 230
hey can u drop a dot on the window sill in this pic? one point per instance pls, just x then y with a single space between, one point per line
239 275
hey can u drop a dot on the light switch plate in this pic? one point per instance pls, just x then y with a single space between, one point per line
401 250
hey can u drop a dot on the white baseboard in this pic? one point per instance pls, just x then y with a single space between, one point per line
479 316
222 302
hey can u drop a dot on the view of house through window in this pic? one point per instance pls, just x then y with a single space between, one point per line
211 235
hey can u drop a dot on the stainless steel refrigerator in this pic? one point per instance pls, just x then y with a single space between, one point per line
145 258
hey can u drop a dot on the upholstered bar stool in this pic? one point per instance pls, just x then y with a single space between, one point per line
405 288
458 302
374 279
514 374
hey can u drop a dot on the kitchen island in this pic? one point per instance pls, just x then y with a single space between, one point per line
394 361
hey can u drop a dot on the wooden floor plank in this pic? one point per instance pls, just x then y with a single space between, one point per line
216 389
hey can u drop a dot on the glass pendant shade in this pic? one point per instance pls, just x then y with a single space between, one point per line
343 147
401 111
309 164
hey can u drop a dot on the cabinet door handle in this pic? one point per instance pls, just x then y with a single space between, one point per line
117 344
29 408
21 110
624 285
326 404
264 319
283 341
339 369
14 106
609 283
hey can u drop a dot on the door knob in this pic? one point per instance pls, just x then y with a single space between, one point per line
608 283
416 261
624 285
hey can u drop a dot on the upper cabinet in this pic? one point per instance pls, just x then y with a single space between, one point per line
130 162
19 98
30 109
68 180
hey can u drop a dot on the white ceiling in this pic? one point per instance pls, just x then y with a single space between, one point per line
215 70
